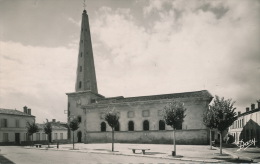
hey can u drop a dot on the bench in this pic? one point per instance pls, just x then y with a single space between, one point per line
38 145
134 149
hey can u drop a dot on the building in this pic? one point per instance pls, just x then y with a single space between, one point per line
59 132
247 125
140 117
13 125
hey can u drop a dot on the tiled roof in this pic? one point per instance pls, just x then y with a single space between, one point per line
14 112
55 126
203 94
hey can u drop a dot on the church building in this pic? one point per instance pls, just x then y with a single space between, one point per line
140 117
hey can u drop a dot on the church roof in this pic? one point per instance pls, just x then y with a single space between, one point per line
202 94
14 112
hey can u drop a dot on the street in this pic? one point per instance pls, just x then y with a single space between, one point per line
15 154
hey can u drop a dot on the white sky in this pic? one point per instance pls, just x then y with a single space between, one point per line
140 48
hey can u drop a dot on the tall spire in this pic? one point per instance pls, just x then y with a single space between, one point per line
86 76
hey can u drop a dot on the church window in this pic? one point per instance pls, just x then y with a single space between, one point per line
79 119
80 54
131 126
80 69
117 127
161 125
81 41
130 114
146 113
80 84
103 127
146 125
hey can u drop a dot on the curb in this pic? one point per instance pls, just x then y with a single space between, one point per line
118 153
234 155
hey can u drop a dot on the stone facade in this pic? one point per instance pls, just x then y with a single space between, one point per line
140 117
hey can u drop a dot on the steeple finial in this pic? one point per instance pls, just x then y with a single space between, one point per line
84 4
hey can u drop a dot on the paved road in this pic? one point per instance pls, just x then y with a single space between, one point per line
251 152
20 155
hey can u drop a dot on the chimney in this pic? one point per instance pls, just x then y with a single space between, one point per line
252 106
29 111
247 109
25 109
238 113
53 120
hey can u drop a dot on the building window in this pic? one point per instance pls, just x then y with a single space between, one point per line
4 123
37 136
17 123
117 127
146 125
103 127
130 114
131 126
80 68
146 113
80 84
80 54
61 136
55 136
81 41
161 125
43 136
79 119
5 137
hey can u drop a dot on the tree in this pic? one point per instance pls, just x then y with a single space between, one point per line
48 130
32 128
173 115
208 120
223 115
74 125
112 118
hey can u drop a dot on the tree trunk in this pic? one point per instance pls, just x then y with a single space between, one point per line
174 153
73 140
32 140
220 146
210 139
48 140
112 139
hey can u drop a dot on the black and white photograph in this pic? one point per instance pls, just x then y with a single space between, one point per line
129 81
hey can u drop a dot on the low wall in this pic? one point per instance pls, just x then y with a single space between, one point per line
191 137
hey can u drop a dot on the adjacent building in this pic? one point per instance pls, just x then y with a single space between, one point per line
140 117
13 125
59 132
247 125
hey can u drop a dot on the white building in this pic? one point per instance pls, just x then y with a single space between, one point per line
13 125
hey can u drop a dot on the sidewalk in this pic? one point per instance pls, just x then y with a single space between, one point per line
199 153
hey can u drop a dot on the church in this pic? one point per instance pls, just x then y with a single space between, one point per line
140 119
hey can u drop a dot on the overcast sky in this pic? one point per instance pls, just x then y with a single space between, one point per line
140 48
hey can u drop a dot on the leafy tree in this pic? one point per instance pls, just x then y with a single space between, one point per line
223 115
48 130
209 121
32 128
74 125
173 115
112 118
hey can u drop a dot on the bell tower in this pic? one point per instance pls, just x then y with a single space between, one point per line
86 75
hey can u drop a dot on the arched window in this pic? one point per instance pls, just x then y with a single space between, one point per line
161 125
80 68
79 119
131 126
146 125
80 84
103 127
117 127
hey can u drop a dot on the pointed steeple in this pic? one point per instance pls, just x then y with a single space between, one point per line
86 75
